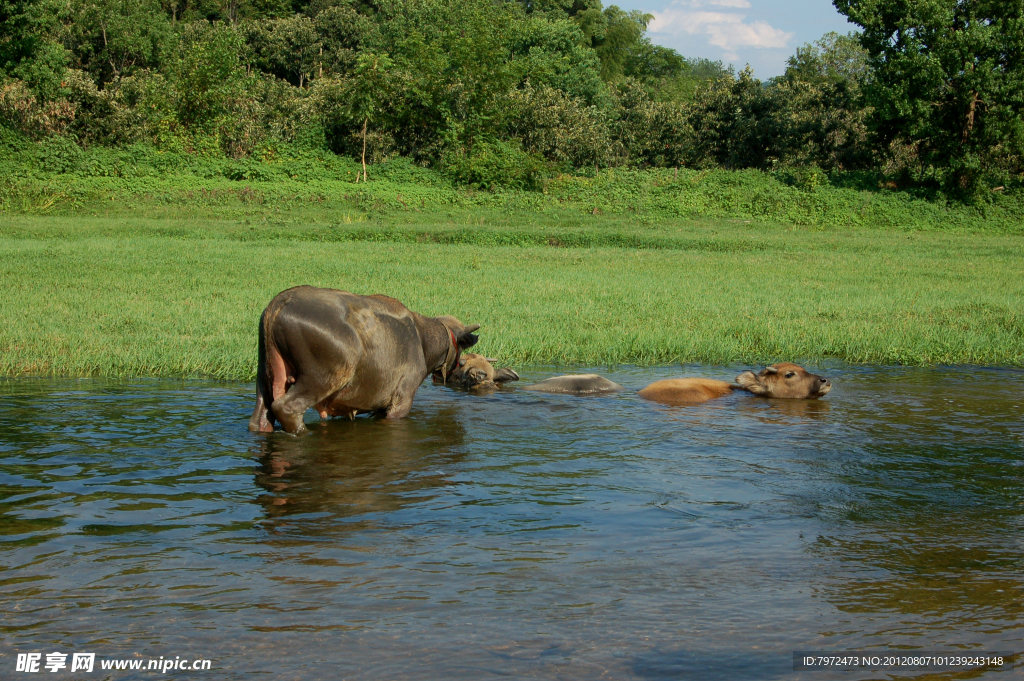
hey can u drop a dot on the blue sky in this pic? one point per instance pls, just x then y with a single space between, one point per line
763 33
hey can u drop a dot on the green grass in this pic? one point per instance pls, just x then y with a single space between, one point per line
156 289
305 188
139 262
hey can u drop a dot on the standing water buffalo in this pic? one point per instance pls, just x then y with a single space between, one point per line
346 354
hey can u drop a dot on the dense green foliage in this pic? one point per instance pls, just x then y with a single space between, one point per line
947 80
319 190
509 93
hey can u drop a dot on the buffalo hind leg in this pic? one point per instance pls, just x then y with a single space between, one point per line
262 420
290 407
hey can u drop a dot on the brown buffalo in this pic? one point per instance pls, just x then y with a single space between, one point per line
476 372
779 380
576 384
346 354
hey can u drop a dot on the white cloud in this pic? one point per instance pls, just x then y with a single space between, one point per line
741 4
727 30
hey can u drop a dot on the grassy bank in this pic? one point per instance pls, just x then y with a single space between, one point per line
181 296
294 189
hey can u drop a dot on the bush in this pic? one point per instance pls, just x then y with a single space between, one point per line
492 163
14 146
560 128
23 111
806 178
648 133
59 155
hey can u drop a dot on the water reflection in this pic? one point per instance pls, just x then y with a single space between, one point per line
956 577
782 411
926 519
343 468
516 534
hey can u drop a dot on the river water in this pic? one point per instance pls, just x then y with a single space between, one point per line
515 534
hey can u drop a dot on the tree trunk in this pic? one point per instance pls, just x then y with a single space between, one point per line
969 121
110 58
365 121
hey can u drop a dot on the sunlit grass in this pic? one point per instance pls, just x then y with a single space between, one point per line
86 296
309 190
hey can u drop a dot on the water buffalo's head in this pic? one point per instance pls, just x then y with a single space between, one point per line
464 335
784 380
477 372
457 337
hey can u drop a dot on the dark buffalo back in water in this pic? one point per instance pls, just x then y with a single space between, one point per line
576 384
346 354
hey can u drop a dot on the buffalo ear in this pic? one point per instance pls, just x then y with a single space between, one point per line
466 338
503 375
749 381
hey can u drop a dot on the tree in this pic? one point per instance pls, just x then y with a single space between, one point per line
833 59
208 76
818 105
613 33
460 61
667 75
948 77
341 31
368 88
559 8
288 48
18 37
111 38
26 52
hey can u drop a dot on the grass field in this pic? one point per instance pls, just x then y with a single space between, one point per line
301 187
107 290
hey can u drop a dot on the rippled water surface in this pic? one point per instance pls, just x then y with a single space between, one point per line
515 534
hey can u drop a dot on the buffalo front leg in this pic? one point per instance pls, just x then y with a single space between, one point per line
401 402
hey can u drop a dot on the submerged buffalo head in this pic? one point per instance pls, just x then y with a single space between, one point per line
784 380
477 372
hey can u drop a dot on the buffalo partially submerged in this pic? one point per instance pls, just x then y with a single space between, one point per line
576 384
346 354
779 380
476 372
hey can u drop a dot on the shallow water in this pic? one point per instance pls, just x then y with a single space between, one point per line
515 534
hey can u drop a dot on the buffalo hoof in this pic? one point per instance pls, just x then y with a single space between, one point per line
292 424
